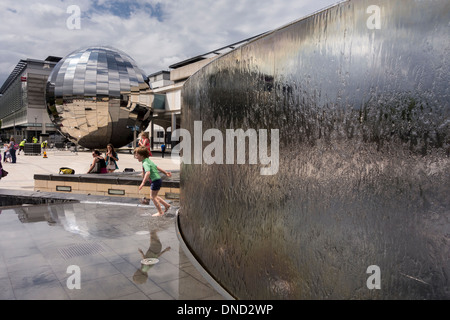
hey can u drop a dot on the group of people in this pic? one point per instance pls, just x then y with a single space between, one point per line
10 148
100 164
107 164
150 170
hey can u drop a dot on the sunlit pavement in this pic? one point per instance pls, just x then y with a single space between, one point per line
90 249
21 173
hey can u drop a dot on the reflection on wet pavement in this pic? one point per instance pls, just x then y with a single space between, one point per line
46 250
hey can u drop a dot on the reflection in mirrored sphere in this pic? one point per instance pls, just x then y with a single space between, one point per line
88 97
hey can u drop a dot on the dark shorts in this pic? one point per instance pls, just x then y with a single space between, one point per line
156 185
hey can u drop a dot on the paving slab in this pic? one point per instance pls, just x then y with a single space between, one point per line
57 246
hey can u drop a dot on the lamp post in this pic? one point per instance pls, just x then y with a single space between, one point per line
35 127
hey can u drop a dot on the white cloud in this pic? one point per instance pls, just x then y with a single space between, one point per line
186 28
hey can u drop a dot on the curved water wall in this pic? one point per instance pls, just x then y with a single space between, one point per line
358 206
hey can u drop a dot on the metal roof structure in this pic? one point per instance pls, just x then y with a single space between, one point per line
20 67
214 52
14 74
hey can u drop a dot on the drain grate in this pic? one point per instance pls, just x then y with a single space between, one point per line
78 250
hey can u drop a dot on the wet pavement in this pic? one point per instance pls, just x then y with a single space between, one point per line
90 250
47 239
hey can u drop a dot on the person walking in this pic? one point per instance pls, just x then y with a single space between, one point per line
12 149
44 145
111 158
150 171
163 149
22 145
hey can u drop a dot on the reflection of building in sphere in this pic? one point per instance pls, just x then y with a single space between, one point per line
88 97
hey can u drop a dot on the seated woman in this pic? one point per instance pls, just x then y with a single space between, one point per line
98 164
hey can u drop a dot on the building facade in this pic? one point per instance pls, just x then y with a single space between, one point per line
23 111
166 89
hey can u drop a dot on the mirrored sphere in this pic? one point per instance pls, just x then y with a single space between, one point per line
88 97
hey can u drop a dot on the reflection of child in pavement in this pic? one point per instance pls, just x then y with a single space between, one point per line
154 251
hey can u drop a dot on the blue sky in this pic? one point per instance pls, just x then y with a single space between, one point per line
126 9
154 33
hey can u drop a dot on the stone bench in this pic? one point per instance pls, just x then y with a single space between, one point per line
120 184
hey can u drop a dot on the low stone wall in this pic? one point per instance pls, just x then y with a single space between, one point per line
121 184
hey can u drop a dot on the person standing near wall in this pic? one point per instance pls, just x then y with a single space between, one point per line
111 158
144 141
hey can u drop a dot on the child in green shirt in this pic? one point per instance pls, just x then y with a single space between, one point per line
151 171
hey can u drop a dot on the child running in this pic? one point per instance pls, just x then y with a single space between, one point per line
151 171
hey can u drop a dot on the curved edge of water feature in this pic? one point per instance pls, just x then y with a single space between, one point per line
18 198
197 264
14 198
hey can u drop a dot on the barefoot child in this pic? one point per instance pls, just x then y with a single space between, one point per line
151 171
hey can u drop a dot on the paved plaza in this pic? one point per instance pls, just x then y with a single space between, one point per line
22 172
47 250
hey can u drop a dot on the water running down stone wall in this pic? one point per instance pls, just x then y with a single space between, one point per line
360 95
